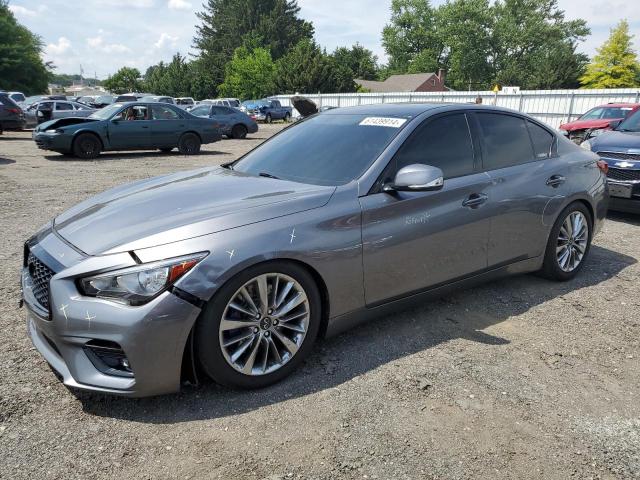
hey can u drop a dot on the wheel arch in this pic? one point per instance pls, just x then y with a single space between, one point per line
90 132
190 131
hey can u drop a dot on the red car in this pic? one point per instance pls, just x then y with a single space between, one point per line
598 118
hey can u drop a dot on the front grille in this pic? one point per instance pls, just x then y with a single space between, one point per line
620 155
623 174
40 275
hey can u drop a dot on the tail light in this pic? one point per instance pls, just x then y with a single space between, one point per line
17 111
603 166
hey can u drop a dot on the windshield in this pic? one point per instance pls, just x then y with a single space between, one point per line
631 124
106 112
254 103
323 150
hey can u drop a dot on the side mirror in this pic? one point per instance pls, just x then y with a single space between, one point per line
614 124
416 178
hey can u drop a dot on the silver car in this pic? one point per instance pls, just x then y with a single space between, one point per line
54 109
345 215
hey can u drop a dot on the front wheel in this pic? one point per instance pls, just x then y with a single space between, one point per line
569 243
86 146
259 326
189 144
268 118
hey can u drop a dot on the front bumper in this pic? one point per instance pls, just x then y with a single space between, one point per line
51 141
152 336
619 201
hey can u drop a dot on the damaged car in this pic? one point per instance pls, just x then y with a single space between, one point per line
128 126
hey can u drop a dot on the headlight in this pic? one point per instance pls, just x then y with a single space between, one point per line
140 284
595 133
586 145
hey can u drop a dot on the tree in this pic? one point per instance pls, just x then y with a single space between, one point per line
173 79
124 80
308 69
21 66
361 62
616 64
226 24
249 74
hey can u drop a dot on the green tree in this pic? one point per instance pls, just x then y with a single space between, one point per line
226 25
21 66
308 69
173 78
124 80
616 64
249 74
361 62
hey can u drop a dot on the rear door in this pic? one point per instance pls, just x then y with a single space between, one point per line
527 179
63 110
413 241
224 118
166 126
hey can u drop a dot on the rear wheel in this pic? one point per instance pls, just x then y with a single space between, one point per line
239 131
287 117
569 243
259 326
86 146
189 144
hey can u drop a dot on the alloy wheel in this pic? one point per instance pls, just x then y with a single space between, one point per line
264 324
573 240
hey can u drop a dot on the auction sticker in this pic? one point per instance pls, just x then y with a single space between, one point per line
383 122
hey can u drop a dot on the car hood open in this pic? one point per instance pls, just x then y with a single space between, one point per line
63 122
184 205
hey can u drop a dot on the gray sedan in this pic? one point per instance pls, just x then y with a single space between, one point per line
348 214
233 122
54 109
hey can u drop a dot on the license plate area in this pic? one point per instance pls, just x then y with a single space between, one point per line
620 190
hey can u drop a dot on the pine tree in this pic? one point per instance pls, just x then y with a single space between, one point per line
616 64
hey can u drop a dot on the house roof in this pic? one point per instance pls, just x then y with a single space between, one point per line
397 83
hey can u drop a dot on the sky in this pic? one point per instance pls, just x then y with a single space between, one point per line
104 35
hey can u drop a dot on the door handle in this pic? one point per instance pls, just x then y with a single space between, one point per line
475 200
145 126
556 180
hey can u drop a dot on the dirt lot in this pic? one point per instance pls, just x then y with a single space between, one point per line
521 378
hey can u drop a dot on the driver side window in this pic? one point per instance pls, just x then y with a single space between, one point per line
444 142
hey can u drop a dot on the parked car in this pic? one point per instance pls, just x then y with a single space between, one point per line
128 97
226 102
266 110
17 97
11 115
157 98
598 118
620 149
53 109
347 214
128 126
185 102
233 123
103 100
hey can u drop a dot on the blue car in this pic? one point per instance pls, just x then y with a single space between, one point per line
620 149
233 122
128 126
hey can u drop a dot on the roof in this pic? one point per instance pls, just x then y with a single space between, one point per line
410 110
397 83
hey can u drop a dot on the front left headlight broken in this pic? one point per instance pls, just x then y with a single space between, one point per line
139 284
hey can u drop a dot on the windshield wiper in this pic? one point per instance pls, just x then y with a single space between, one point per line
268 175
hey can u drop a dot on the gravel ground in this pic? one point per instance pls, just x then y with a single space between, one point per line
520 378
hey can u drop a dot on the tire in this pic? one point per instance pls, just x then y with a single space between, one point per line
268 118
263 335
287 117
86 146
239 132
564 247
166 150
189 144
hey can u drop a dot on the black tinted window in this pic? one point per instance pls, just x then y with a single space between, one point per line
63 106
542 140
444 143
506 140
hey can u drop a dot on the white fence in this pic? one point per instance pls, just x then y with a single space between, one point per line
550 106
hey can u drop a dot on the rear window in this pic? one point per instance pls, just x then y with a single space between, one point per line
506 140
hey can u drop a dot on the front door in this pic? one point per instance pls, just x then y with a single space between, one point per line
130 129
413 241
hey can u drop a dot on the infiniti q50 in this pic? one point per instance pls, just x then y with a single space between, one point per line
238 269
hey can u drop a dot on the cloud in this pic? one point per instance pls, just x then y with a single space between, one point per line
166 40
58 48
97 43
179 5
128 3
22 11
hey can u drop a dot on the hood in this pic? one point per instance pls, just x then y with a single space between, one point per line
185 205
584 124
613 140
304 105
63 122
